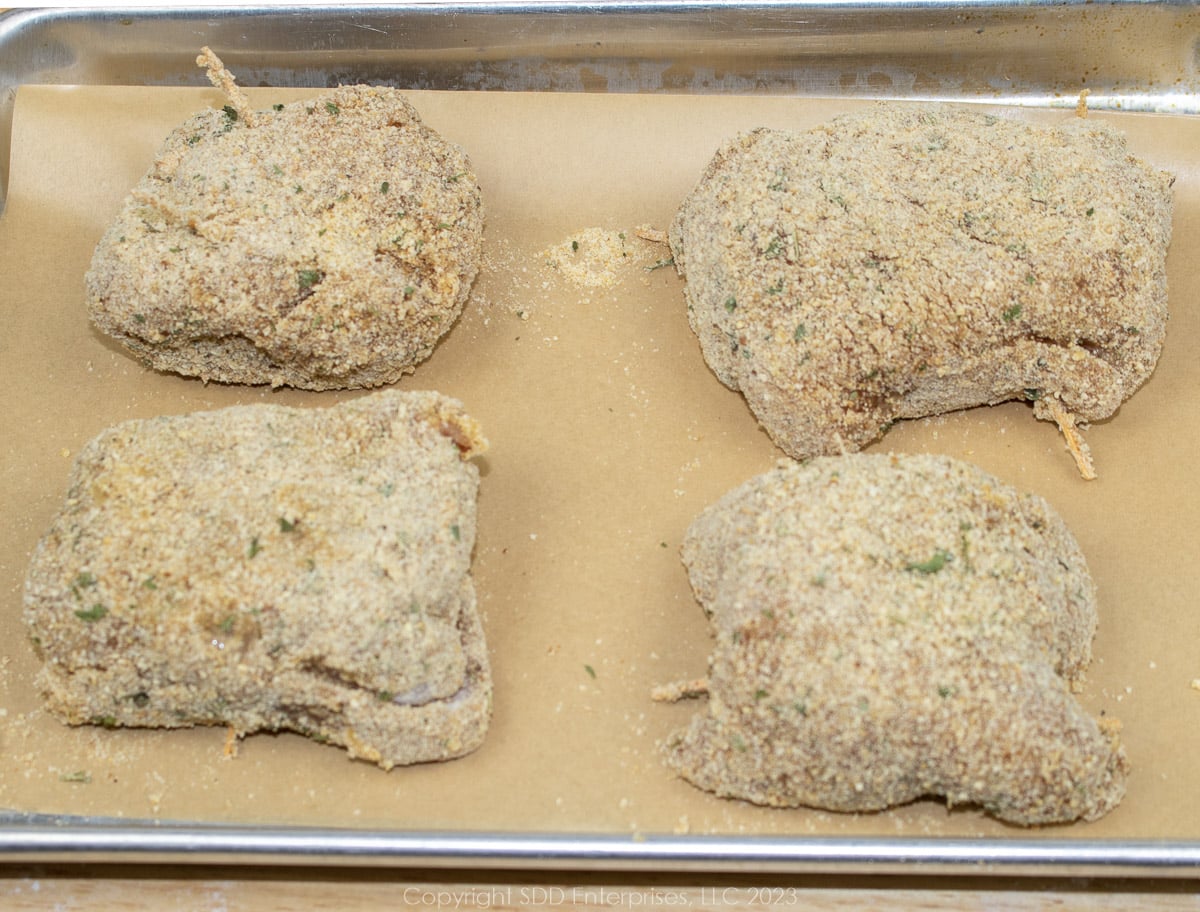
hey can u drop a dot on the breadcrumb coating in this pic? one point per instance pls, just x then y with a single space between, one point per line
268 568
893 627
321 244
910 260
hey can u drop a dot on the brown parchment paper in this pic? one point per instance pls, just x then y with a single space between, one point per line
608 435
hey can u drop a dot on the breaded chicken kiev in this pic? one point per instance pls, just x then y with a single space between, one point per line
909 260
889 628
265 567
321 244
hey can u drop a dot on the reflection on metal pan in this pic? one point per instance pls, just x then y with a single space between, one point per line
61 840
1129 55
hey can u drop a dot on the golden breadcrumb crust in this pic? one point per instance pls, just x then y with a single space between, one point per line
267 568
889 628
910 260
321 244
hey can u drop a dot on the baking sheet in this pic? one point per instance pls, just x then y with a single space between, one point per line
608 435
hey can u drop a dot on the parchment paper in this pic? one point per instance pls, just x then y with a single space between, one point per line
608 435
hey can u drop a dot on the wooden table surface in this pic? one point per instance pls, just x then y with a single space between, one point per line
120 888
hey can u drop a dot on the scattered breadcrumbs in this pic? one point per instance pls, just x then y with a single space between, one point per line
603 258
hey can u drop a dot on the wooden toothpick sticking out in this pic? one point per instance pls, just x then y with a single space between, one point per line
654 235
1075 443
222 79
1081 105
231 743
680 690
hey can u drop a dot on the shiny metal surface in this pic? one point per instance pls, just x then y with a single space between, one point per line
1130 55
148 844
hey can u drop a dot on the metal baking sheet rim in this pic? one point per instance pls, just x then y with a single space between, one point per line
264 846
30 58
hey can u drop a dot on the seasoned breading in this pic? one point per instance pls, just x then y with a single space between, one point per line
889 628
322 244
910 260
270 568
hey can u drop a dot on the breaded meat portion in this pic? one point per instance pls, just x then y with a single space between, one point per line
321 244
893 627
909 260
267 568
